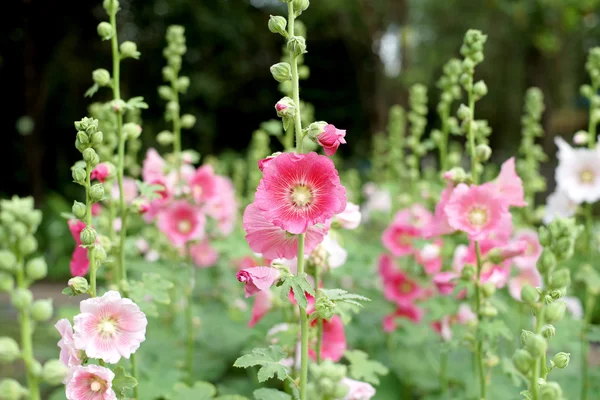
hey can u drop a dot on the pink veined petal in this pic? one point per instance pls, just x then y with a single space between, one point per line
262 305
510 184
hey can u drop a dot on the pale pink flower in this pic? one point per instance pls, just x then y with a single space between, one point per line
109 327
181 222
377 200
300 190
153 167
465 314
130 190
529 276
350 217
79 264
91 382
574 306
223 206
69 354
495 273
331 138
334 340
409 311
100 173
152 255
578 172
430 257
273 242
203 254
533 249
581 138
263 302
142 245
257 278
439 223
358 390
510 185
444 281
117 224
336 254
476 210
203 184
96 209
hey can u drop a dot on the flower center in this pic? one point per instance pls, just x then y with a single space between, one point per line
586 176
107 327
301 196
184 226
197 190
478 216
404 239
405 287
97 384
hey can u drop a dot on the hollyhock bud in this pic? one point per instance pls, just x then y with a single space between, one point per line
285 108
300 6
525 336
78 210
21 299
548 331
484 152
54 372
282 72
546 262
188 121
464 112
97 192
101 77
529 294
182 84
581 138
164 138
488 288
278 24
555 311
522 361
36 268
78 285
91 157
105 30
79 175
100 253
129 50
100 173
559 279
561 360
296 45
132 130
41 310
28 245
82 138
88 236
468 272
172 107
12 390
257 278
7 260
536 345
9 350
480 89
456 175
489 311
550 391
330 138
7 282
165 93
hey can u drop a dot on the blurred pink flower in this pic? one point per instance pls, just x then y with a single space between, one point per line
109 327
262 304
203 254
331 138
334 340
91 382
130 190
496 273
153 167
533 249
529 276
350 217
257 278
439 224
443 327
203 184
444 281
409 311
401 289
100 173
223 206
96 209
408 225
79 264
358 390
181 222
510 185
430 257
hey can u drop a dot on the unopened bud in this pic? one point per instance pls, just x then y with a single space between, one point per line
82 138
54 372
96 138
7 282
100 254
21 299
97 192
91 157
581 138
78 210
488 289
188 121
129 50
480 89
464 112
88 236
132 130
78 285
9 350
489 311
79 175
555 311
536 345
546 262
164 138
168 73
300 6
548 331
525 335
296 45
529 294
468 272
173 107
559 279
105 30
101 77
8 260
522 361
285 108
281 72
36 268
28 245
278 24
561 360
41 310
10 389
165 92
484 152
550 391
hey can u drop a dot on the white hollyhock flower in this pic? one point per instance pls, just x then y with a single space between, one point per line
558 204
578 172
336 255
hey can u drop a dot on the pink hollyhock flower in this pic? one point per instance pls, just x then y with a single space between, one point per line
203 184
263 302
153 167
331 138
399 288
130 190
350 217
69 354
79 264
510 185
91 382
444 282
358 390
223 206
300 190
476 210
387 267
273 242
96 209
530 276
430 257
262 163
246 262
109 327
465 314
439 223
204 255
533 249
181 222
398 238
100 173
442 327
334 340
257 278
409 311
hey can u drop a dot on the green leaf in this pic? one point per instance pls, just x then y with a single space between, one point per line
299 286
268 359
272 127
136 102
509 369
362 368
200 391
92 90
149 191
122 381
270 394
492 330
150 290
231 397
337 301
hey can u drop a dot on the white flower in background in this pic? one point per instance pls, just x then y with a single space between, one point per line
558 204
358 390
574 306
377 199
350 217
578 172
336 255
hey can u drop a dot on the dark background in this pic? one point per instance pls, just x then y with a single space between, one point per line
49 48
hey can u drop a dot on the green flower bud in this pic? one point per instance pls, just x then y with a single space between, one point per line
28 245
468 272
550 391
88 235
536 345
559 279
483 152
303 72
82 138
129 49
489 311
586 91
281 72
164 138
21 299
36 268
561 360
78 285
529 294
168 73
188 121
41 310
546 262
8 261
326 384
296 45
100 254
488 289
7 282
522 361
19 229
78 209
525 334
109 4
9 350
10 389
101 77
285 108
480 89
132 130
105 30
165 93
555 311
96 138
548 331
91 157
97 192
300 6
464 113
173 107
79 175
54 372
182 84
278 24
36 368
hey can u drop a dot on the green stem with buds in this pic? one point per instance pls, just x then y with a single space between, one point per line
538 365
590 303
478 341
443 145
88 223
471 133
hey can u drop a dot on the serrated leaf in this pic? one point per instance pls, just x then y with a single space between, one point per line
122 382
362 368
92 90
148 292
299 286
200 391
268 359
149 191
137 102
270 394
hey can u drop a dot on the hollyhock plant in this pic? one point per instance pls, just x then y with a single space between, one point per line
273 242
300 190
203 184
578 172
79 264
69 354
258 278
529 276
490 272
91 382
399 236
334 340
181 222
203 254
331 138
350 217
358 390
444 282
109 327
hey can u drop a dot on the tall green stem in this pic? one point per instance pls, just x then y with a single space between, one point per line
189 317
88 222
303 326
471 134
590 303
443 146
539 365
444 372
319 320
478 341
